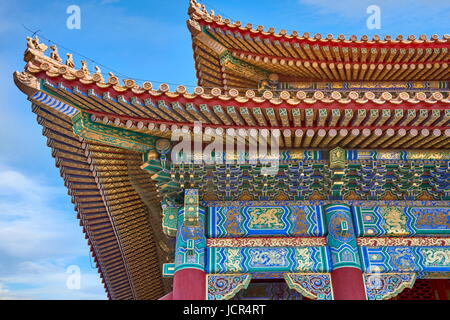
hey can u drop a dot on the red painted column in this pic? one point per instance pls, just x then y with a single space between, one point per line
346 276
189 279
441 288
348 284
189 284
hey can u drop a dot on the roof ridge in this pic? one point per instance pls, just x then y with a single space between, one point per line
53 66
198 11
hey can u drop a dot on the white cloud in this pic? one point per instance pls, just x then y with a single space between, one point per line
48 281
39 239
6 294
30 226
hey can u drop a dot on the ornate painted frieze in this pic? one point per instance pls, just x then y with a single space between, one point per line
405 259
267 259
312 285
225 286
405 85
401 221
244 158
403 241
383 286
311 202
267 242
296 154
255 220
402 155
84 126
341 237
429 220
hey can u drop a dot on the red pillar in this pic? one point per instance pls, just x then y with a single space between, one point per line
189 284
348 284
441 288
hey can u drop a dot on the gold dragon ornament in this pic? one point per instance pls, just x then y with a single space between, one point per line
395 221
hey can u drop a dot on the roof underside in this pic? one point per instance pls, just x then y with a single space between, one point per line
116 204
229 54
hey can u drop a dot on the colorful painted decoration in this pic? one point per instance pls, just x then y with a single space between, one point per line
191 208
170 221
267 259
110 135
405 259
315 286
297 180
403 241
168 270
163 146
225 286
51 102
190 240
267 242
361 187
337 158
402 221
383 286
341 237
276 220
403 155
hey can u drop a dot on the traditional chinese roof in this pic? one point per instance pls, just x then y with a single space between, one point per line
103 133
233 54
115 202
362 118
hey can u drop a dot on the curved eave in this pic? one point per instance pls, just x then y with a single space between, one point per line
199 12
318 58
317 113
43 67
118 220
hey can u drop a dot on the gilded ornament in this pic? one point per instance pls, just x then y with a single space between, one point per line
54 54
266 218
436 257
233 261
394 221
69 61
39 46
337 158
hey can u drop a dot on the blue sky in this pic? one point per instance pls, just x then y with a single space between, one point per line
39 234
